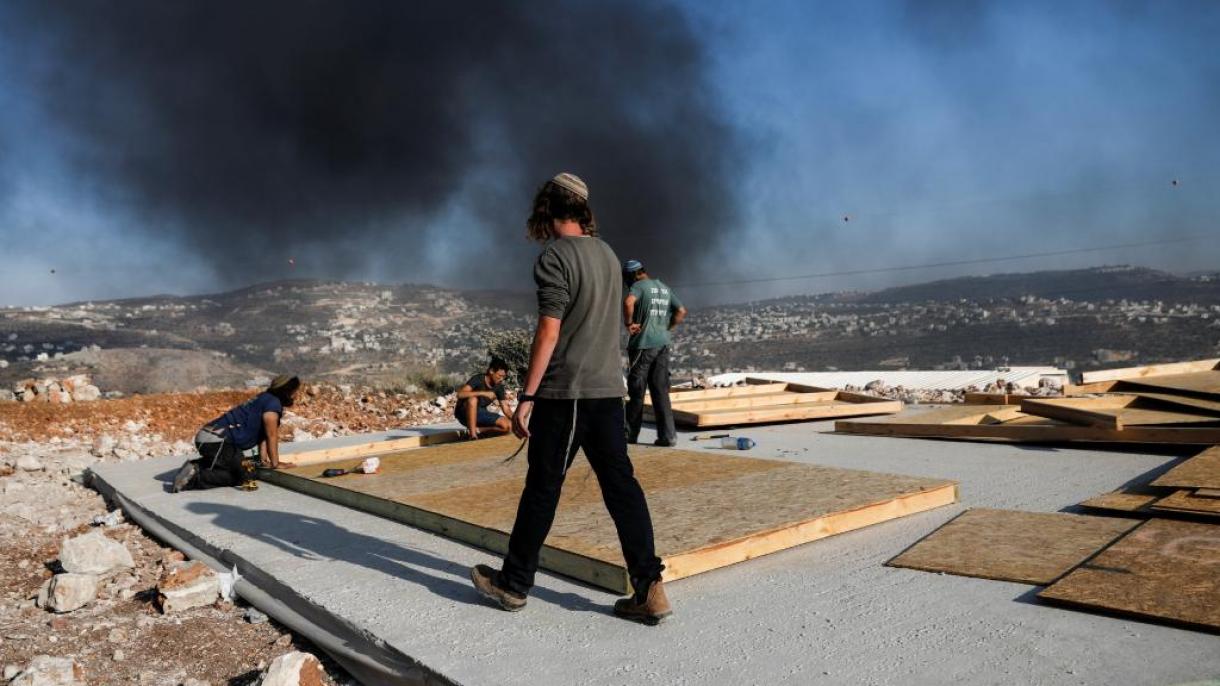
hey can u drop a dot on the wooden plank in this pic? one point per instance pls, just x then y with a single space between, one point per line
709 509
1150 370
1200 405
1089 388
1197 384
1109 411
729 392
1008 545
784 413
1164 570
302 455
1136 500
958 422
742 402
1207 492
1200 471
1186 502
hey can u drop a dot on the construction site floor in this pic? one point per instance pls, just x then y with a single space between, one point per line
826 612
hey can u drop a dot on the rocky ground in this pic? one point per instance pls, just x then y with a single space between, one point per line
141 617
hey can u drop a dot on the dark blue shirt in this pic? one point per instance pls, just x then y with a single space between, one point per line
243 424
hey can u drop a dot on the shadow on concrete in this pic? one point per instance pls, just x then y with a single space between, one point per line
312 538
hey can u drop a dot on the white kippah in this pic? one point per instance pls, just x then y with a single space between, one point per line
573 183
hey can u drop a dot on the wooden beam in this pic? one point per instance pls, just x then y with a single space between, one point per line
301 455
1150 370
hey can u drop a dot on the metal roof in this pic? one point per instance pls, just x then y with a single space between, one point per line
1026 377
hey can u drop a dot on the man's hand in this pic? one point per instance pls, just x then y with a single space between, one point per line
521 419
633 328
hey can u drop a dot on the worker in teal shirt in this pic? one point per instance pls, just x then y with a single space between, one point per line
650 311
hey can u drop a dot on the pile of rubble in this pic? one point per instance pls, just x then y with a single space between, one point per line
77 388
926 396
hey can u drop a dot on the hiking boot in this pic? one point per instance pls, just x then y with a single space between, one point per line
487 582
663 443
185 477
650 609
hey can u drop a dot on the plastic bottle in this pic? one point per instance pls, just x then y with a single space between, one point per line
737 443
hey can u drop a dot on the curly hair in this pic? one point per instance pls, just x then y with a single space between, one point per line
556 202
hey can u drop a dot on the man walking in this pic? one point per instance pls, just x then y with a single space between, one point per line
650 311
572 399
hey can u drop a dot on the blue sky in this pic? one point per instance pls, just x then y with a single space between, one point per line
943 131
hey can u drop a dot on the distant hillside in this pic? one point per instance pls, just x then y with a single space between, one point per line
1096 284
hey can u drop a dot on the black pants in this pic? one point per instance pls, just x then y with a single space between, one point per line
650 371
557 429
219 465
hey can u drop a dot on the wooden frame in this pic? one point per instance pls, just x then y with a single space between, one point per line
1113 411
762 402
1130 373
1008 423
369 445
466 492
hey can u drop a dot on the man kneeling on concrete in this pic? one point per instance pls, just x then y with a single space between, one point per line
222 441
475 396
572 399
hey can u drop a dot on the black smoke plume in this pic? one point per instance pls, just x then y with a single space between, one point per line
347 132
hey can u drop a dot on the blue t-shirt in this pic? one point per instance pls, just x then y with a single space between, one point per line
244 424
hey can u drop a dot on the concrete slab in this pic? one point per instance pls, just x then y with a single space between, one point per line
827 612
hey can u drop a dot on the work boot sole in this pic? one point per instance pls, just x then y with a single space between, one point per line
184 477
649 620
485 588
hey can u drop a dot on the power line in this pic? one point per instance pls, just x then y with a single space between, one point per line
935 265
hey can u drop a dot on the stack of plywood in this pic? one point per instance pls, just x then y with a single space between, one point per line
761 402
1162 570
1189 488
1171 403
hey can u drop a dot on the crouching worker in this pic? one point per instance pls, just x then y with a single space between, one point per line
475 396
221 442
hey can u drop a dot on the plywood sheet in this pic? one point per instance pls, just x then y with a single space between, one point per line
769 402
709 509
1114 411
1197 384
1008 545
1007 423
1186 502
1200 471
1129 500
1164 570
1169 368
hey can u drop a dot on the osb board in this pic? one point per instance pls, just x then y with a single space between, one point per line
1164 570
1007 423
709 509
1169 368
1186 502
769 402
1112 411
1200 471
1008 545
390 442
1197 384
1130 500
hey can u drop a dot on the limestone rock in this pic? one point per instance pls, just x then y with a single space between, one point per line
45 670
29 463
185 585
86 393
294 669
94 553
68 592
